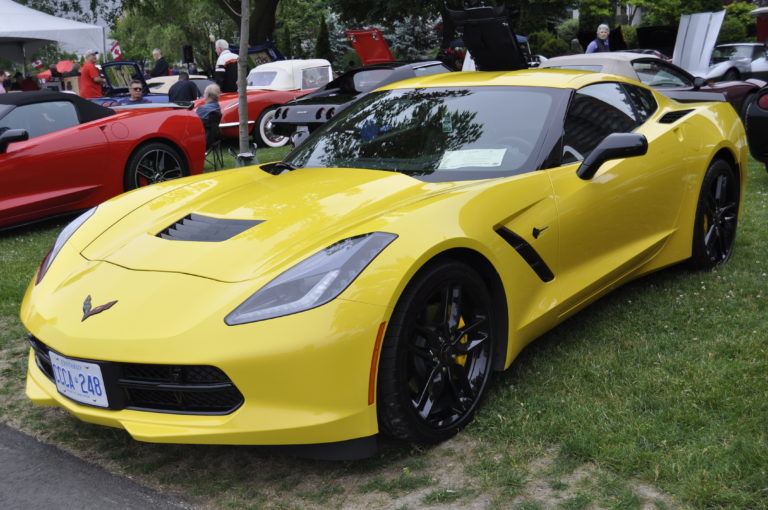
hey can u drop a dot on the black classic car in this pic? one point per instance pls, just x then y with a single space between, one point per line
301 116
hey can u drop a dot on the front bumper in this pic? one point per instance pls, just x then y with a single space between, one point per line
304 378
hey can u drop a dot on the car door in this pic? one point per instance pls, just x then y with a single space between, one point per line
57 169
613 223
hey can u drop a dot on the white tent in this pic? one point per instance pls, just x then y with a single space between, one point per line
23 31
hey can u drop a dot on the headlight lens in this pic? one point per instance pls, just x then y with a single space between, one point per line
64 236
312 282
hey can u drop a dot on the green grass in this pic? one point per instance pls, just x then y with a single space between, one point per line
664 382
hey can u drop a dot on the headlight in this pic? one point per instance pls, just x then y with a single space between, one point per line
312 282
64 236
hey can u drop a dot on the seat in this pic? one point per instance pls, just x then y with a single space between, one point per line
213 151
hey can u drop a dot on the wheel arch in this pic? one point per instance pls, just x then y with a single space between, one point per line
157 139
491 278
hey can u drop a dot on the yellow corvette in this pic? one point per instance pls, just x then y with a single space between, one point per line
374 280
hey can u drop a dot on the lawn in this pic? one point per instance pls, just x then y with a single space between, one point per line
655 395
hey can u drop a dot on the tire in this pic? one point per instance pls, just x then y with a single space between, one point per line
154 162
748 100
437 355
263 133
714 229
731 75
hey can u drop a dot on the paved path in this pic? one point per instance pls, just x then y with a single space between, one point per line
35 475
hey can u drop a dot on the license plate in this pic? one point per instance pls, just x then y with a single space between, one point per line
79 380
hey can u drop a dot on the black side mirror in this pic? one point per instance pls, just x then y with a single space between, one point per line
10 136
698 82
613 146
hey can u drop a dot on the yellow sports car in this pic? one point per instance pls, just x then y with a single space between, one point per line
376 278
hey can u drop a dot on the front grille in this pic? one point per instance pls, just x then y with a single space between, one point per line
182 389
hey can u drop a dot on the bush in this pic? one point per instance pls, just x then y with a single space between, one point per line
537 40
732 31
568 29
555 48
630 35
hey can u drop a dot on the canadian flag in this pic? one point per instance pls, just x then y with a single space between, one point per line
38 64
115 51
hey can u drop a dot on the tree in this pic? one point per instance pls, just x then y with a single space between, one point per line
323 45
262 18
169 24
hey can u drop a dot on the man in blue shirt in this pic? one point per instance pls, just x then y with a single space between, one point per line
211 95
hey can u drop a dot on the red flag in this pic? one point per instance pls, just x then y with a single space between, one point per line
38 64
115 51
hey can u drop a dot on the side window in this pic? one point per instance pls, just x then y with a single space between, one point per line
314 77
595 112
657 74
41 118
642 100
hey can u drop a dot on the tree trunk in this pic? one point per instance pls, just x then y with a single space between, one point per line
242 76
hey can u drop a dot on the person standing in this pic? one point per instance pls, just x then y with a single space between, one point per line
90 81
183 90
225 74
161 66
600 44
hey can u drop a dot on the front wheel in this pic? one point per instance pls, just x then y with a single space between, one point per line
152 163
731 75
714 229
437 355
264 135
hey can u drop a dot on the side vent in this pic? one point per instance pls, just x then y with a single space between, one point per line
195 227
529 254
669 118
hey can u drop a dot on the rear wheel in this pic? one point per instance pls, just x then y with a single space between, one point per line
154 162
748 100
714 230
731 75
264 135
436 359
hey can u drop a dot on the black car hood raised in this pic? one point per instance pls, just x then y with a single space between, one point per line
489 37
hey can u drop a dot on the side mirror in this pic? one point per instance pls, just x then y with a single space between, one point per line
10 136
698 82
613 146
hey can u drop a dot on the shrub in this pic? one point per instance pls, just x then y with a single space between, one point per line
568 29
732 31
538 39
555 47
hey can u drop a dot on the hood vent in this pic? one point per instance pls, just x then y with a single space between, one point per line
669 118
195 227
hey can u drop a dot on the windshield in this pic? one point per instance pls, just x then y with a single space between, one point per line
445 133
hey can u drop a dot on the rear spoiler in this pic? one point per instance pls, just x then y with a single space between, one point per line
693 96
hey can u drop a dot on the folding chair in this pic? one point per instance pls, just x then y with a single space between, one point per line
213 151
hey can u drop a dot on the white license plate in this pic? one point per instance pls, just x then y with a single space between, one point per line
79 380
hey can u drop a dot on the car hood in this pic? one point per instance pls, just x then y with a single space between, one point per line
293 215
696 38
489 38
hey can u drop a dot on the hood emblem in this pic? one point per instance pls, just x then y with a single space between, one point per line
88 311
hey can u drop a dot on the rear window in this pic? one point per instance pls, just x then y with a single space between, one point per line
261 78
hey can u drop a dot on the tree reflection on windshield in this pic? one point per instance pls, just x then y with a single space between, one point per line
424 131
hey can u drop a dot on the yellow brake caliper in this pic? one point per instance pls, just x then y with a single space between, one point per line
462 359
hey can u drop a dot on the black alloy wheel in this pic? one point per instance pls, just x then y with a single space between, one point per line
152 163
716 216
436 359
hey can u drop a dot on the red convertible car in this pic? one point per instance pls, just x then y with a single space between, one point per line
269 86
61 153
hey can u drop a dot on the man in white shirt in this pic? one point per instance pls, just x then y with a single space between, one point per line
226 67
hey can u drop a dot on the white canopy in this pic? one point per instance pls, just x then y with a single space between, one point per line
23 31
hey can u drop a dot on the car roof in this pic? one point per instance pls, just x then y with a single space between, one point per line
553 78
740 44
86 110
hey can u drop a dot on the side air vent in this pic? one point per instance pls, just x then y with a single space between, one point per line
669 118
195 227
525 250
